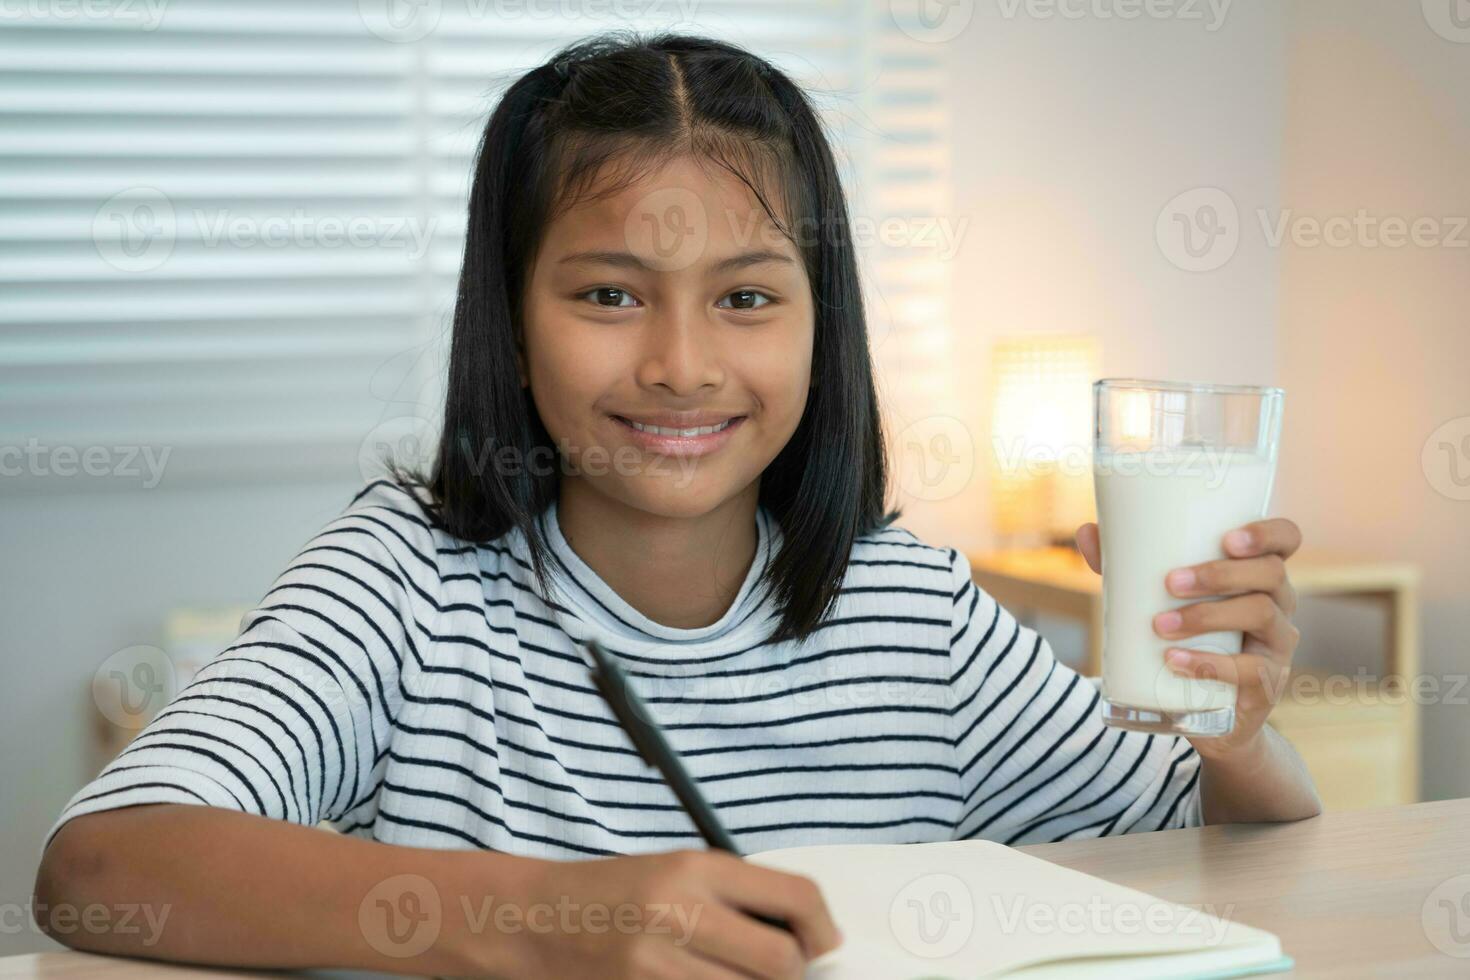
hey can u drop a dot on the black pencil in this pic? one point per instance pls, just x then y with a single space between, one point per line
648 738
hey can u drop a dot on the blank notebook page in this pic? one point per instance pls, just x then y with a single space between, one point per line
980 909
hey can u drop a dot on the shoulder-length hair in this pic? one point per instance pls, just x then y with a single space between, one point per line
642 102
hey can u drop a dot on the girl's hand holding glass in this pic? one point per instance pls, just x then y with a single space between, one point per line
1258 599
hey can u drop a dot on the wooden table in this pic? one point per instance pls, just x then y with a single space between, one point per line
1353 894
1360 743
1345 891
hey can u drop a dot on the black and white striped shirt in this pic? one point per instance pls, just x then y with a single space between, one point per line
406 686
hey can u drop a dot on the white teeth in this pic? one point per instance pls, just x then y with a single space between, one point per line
660 430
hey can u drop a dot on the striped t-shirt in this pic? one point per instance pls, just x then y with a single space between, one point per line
409 687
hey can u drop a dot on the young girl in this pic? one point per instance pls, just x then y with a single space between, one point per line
661 431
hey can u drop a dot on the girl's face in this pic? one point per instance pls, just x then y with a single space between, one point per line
674 302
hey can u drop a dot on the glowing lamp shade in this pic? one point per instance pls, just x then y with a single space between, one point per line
1041 437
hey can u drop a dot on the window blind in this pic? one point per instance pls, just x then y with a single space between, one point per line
231 229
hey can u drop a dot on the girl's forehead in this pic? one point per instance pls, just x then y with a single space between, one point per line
683 192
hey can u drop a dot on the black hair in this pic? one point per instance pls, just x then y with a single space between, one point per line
640 102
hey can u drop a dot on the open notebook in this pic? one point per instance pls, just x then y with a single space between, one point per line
978 909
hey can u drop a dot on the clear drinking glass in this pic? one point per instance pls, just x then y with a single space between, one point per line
1176 465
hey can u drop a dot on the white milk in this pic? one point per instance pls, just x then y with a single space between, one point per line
1159 510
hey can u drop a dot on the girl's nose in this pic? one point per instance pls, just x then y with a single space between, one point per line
679 352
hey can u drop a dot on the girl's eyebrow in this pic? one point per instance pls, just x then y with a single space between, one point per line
628 260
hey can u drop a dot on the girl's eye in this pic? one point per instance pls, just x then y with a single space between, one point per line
609 292
746 299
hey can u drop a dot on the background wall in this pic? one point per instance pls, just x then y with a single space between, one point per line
1071 136
87 574
1375 336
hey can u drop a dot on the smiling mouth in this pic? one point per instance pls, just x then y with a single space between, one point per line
685 433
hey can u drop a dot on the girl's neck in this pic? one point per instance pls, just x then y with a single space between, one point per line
681 572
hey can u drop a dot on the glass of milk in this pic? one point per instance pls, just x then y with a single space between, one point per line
1176 465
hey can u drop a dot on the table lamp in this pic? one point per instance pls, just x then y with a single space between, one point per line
1041 438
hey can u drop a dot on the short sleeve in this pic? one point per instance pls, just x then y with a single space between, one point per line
291 721
1036 762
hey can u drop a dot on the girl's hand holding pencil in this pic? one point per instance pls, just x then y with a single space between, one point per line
686 914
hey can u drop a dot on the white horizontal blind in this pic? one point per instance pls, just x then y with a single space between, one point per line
911 228
232 228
